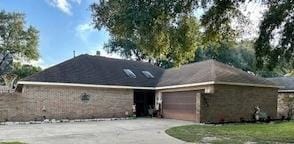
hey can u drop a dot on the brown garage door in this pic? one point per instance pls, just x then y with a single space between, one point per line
179 105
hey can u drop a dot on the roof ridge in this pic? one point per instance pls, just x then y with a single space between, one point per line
188 64
53 66
243 72
88 69
234 68
213 73
118 59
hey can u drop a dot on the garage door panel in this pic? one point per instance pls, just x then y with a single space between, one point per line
179 116
181 97
179 105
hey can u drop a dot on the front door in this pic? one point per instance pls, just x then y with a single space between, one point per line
144 100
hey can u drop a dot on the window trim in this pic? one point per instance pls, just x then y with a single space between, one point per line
148 74
129 73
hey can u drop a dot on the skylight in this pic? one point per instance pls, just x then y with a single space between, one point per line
129 73
147 74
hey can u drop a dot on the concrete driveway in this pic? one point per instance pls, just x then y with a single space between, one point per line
138 131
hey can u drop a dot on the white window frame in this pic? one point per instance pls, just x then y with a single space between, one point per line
130 73
148 74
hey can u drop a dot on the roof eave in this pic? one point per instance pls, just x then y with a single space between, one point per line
144 88
286 91
249 84
82 85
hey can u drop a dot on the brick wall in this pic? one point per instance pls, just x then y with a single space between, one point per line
227 102
284 101
234 102
9 103
65 103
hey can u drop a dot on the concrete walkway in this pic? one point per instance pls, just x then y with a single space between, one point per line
138 131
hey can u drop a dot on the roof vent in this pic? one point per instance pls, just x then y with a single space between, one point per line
97 53
147 74
129 73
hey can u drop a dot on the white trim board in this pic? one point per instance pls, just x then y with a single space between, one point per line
247 84
146 88
286 91
214 82
82 85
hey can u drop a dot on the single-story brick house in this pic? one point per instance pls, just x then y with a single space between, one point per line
285 97
94 86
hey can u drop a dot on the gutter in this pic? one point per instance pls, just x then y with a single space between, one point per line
286 91
82 85
143 88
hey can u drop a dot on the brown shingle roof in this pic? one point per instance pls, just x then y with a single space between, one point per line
207 71
97 70
287 83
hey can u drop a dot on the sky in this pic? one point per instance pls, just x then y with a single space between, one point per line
64 26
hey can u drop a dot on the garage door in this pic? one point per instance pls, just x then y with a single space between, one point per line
179 105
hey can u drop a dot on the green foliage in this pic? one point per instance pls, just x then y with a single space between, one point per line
166 31
12 143
149 30
23 71
239 55
16 39
218 18
279 16
284 68
236 133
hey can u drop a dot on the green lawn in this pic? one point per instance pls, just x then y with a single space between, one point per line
282 132
11 143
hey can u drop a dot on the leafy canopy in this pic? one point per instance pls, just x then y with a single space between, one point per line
16 39
272 48
150 29
240 55
279 17
23 71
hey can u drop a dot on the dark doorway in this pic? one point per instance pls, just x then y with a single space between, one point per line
143 99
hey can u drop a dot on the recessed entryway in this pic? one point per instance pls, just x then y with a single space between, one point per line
144 100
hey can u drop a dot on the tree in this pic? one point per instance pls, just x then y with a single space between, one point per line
240 55
149 30
146 24
22 71
19 71
16 40
6 63
278 17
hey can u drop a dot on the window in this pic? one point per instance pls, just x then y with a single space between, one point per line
129 73
147 74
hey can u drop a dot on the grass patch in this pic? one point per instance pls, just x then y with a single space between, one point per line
12 143
282 132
